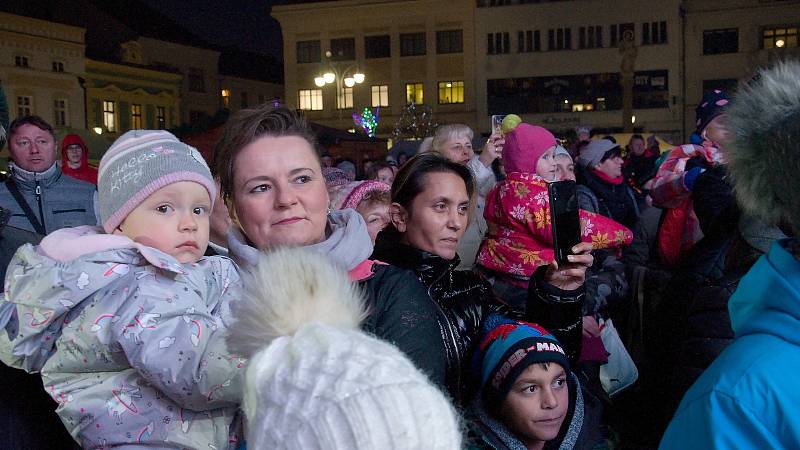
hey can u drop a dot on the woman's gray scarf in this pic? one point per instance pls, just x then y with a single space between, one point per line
347 242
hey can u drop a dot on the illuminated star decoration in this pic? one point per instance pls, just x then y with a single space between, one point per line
367 121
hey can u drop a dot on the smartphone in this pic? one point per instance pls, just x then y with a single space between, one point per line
497 123
565 218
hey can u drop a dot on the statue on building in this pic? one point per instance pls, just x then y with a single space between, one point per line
627 48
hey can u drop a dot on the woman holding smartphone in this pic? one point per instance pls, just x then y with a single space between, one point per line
431 206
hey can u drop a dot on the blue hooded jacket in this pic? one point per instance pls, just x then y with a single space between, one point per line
749 398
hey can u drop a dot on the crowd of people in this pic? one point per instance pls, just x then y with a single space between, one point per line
278 298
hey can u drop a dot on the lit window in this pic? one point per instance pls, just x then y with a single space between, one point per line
380 95
414 93
345 99
109 116
21 61
60 112
24 105
451 92
58 66
226 98
779 37
136 117
310 99
161 118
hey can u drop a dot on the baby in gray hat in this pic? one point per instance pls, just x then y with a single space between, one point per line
126 323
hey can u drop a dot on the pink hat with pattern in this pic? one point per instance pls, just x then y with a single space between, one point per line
524 145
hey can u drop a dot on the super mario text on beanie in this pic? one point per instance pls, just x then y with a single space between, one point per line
139 163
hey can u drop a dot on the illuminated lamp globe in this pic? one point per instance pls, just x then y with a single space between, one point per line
329 77
359 77
780 43
319 81
349 82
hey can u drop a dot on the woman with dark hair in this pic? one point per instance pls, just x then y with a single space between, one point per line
432 202
271 179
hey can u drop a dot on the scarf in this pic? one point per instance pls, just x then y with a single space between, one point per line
347 241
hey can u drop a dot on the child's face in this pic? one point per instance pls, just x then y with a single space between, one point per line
174 219
546 166
537 404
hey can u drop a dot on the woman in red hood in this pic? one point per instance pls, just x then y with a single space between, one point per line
75 159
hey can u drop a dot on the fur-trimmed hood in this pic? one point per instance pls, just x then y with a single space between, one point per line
764 155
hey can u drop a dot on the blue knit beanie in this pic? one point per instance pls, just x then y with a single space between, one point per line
507 348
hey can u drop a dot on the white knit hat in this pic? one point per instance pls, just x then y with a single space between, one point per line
314 380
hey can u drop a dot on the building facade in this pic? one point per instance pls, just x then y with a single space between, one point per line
556 63
41 68
727 41
560 64
124 96
419 51
240 93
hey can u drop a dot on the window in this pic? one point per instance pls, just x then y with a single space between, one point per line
60 112
58 66
308 51
24 105
559 39
720 41
226 98
109 116
380 95
590 37
779 37
618 33
345 99
449 41
497 43
414 93
310 99
196 116
21 61
412 44
654 33
136 117
343 49
161 118
451 92
243 102
528 41
196 80
377 47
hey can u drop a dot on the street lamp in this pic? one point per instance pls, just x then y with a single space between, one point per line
334 73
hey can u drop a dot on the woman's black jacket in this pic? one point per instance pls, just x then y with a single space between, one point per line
464 298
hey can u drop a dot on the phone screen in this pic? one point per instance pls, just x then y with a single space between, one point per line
565 218
497 123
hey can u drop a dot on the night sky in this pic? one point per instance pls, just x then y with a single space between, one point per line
245 24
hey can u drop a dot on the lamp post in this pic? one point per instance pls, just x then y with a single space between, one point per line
333 73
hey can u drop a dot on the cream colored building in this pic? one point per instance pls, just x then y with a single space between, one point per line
559 63
727 41
200 89
409 50
239 93
121 97
41 64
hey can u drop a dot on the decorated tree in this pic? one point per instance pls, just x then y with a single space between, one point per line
416 122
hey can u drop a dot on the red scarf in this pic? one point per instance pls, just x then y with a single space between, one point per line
608 179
